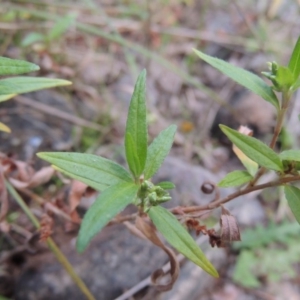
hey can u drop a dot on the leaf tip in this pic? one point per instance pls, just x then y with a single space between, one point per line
80 246
35 67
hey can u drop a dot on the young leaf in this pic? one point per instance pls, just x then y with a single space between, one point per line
179 238
136 135
110 202
284 78
243 77
250 165
235 178
166 185
131 155
292 195
13 66
254 149
93 170
291 155
294 63
18 85
158 150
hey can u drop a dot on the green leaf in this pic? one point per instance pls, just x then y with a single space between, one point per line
18 85
250 165
179 238
158 150
13 66
235 178
296 85
254 149
294 63
166 185
261 236
292 195
291 155
131 155
93 170
3 298
243 77
6 97
245 269
61 27
110 202
31 38
284 77
136 135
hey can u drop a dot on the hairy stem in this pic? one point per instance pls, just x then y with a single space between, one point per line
51 244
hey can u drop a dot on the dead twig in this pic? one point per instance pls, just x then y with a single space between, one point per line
57 113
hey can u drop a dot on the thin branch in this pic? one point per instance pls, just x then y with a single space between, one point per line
236 194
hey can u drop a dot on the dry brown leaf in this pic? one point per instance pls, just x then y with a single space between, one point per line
24 170
46 227
161 280
42 176
229 228
77 191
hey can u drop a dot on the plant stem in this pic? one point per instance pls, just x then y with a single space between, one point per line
285 102
245 191
51 244
286 96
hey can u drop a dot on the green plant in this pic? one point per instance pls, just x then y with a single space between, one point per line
60 27
261 247
11 86
119 187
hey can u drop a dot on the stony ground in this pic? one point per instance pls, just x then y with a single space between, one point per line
91 114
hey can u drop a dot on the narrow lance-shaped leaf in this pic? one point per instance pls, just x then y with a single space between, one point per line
158 150
235 178
136 136
292 195
250 165
179 238
294 63
131 155
166 185
110 202
93 170
18 85
243 77
254 149
14 67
